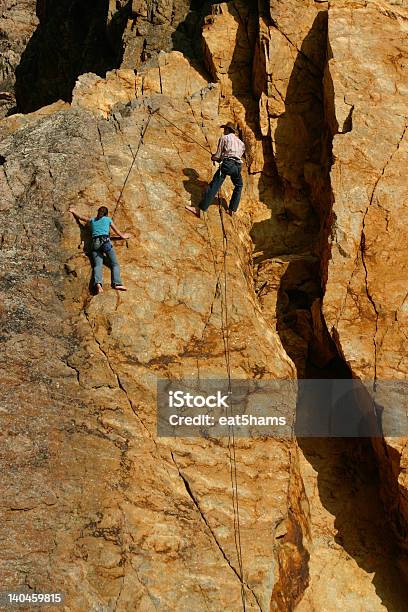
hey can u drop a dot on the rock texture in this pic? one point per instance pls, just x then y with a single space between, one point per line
46 45
298 103
91 496
110 506
365 303
151 26
71 38
365 291
18 21
281 217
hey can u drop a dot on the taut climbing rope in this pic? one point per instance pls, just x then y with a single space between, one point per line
231 431
225 335
134 155
206 148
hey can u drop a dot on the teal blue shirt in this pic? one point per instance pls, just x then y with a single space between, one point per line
100 227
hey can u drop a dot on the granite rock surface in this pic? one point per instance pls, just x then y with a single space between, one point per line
111 506
309 278
366 301
18 21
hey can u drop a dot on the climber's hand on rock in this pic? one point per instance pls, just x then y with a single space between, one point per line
126 236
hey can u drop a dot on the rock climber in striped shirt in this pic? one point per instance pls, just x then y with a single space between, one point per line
229 153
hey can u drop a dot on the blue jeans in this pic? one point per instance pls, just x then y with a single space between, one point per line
230 168
97 258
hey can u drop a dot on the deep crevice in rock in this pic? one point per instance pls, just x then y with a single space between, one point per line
72 38
346 467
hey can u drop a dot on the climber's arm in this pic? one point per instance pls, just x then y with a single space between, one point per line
78 216
119 233
217 156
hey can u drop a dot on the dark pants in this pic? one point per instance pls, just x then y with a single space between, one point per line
230 168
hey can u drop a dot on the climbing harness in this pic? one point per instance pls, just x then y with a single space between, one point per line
103 244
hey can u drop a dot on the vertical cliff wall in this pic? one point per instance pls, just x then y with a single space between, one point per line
296 102
18 21
91 496
97 499
365 303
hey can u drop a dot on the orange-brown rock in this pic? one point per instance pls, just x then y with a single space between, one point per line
365 303
95 503
98 499
289 82
150 26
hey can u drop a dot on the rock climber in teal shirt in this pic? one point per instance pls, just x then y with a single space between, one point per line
102 246
100 226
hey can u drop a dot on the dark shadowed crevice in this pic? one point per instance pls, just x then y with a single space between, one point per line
187 36
346 467
72 38
75 37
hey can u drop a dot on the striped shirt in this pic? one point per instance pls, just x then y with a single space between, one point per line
230 146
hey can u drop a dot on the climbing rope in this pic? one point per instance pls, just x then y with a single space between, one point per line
231 430
225 335
206 148
134 156
227 353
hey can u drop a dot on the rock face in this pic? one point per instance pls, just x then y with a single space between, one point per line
68 38
91 495
71 38
298 104
365 303
282 218
151 507
18 21
151 26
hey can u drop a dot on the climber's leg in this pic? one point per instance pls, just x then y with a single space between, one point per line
97 259
115 270
236 178
212 189
209 194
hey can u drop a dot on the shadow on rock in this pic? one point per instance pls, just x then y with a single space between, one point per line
196 188
72 38
347 472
